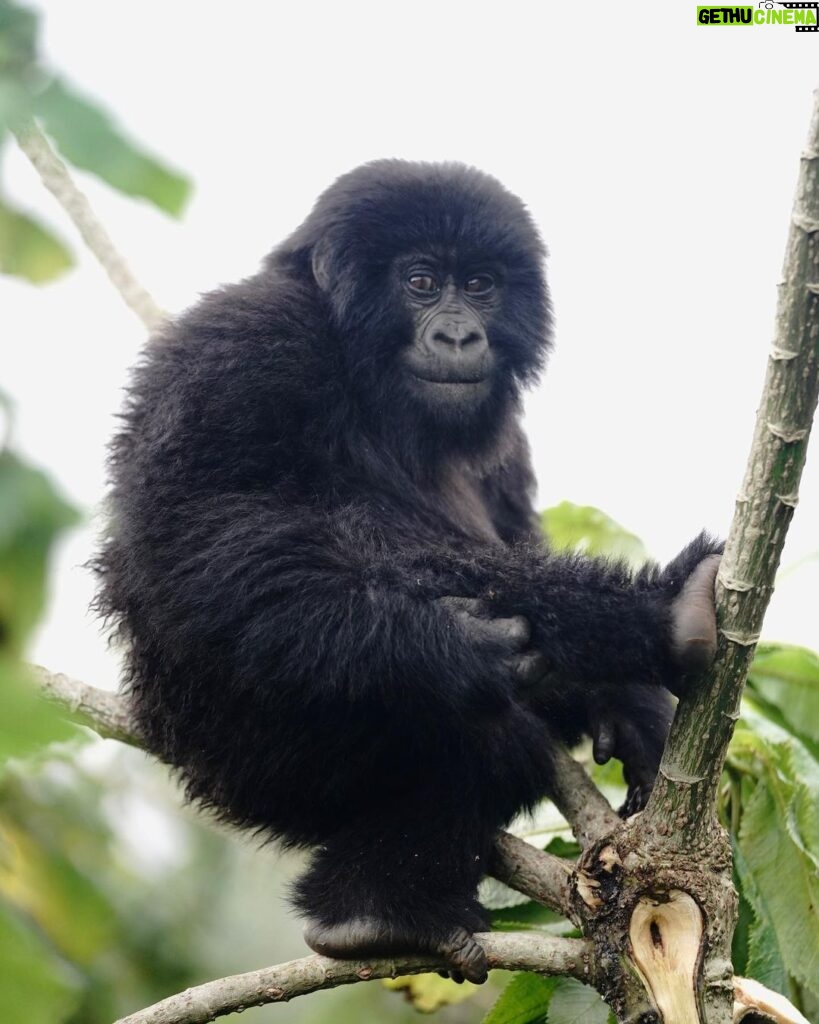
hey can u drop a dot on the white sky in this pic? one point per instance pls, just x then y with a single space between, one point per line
658 157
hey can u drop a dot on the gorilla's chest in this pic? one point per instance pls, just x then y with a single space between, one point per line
462 501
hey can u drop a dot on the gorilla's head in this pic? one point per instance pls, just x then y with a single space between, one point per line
433 275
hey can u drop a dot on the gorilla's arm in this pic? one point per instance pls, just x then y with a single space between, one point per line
320 600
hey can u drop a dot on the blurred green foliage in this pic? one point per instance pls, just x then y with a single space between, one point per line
589 531
29 250
31 516
85 135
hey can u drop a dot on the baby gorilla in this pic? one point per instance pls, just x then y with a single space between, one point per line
342 626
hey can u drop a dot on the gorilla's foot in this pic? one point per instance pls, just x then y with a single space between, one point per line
365 937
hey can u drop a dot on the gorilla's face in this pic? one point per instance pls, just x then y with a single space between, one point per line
433 280
449 363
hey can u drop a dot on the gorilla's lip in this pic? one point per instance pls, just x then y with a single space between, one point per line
464 381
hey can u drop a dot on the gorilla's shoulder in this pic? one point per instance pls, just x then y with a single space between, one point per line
266 313
249 362
265 332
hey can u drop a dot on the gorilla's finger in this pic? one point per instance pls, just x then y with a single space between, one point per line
693 618
514 631
636 799
466 958
472 613
604 739
528 669
466 605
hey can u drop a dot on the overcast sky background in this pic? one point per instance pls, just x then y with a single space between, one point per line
658 157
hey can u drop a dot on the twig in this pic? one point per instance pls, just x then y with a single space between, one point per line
525 951
684 797
56 178
580 802
541 876
104 712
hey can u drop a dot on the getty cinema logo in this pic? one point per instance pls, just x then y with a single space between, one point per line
804 17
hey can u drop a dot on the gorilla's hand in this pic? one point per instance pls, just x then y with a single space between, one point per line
509 638
693 622
693 619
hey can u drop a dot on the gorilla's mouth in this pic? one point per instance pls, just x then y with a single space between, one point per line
459 381
455 395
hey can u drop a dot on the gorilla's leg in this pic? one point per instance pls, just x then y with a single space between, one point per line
401 881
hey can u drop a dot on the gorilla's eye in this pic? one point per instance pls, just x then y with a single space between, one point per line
426 284
480 284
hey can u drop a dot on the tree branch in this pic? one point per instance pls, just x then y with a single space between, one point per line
684 797
55 176
104 712
541 876
578 799
525 951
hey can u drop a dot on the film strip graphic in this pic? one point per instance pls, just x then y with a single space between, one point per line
801 7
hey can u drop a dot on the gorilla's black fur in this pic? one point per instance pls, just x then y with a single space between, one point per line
290 507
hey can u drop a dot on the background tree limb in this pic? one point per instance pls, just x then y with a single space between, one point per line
106 713
55 176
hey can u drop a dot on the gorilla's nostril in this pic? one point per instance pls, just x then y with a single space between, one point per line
457 339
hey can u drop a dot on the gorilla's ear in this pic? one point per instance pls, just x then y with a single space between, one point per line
321 261
332 271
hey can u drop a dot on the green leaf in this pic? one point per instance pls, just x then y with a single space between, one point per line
18 38
529 917
35 988
31 516
745 920
45 884
88 138
15 103
6 418
788 678
29 250
28 722
586 529
575 1003
560 847
763 957
494 895
779 846
525 1000
609 777
429 992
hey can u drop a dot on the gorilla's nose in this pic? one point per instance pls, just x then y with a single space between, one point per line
458 341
